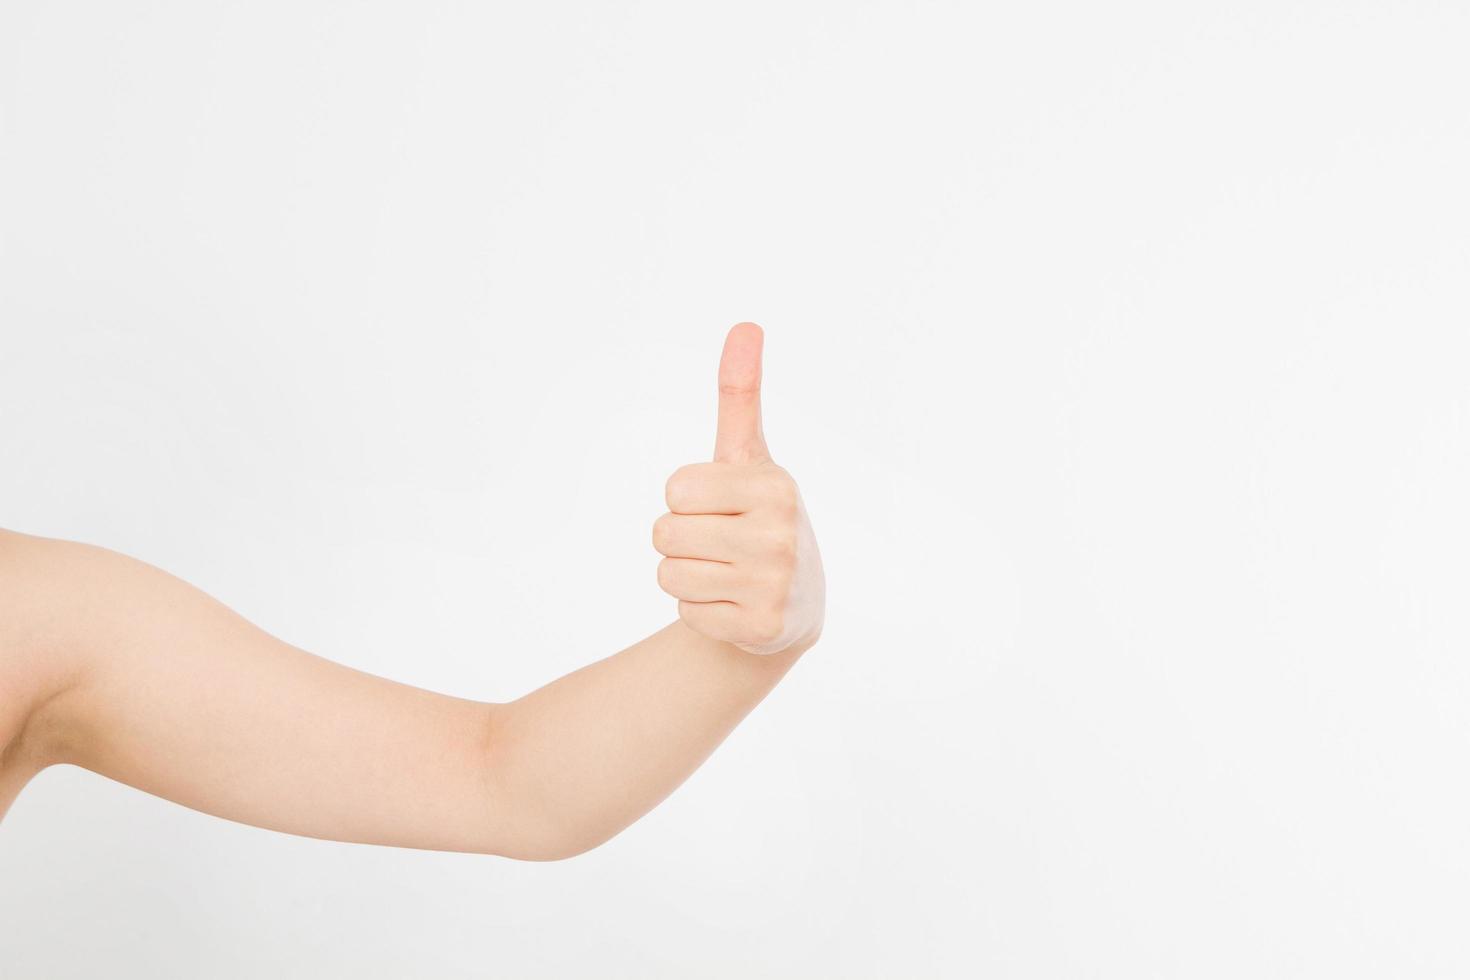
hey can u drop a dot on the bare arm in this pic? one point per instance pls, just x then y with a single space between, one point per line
137 675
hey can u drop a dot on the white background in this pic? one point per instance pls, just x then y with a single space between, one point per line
1120 349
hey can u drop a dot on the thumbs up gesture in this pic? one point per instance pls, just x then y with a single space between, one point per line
739 551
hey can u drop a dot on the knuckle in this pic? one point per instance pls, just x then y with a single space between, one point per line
679 488
666 575
780 478
781 543
779 491
769 582
663 533
763 623
674 491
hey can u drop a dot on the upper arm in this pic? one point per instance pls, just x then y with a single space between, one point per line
151 682
30 675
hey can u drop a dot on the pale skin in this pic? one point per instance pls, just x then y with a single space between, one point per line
116 666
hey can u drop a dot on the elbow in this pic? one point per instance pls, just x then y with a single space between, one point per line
546 842
530 815
554 849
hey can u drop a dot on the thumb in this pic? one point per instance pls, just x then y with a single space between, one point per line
738 437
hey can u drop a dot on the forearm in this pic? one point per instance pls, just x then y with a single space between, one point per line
582 758
578 760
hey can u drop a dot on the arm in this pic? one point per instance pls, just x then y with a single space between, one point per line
149 681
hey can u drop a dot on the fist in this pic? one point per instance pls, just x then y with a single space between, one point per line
739 551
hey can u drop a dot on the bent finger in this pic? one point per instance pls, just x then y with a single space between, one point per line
713 537
696 580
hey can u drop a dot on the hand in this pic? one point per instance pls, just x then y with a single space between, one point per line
741 556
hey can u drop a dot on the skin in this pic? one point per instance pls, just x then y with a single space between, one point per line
116 666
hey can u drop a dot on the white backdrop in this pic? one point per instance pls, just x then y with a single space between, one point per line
1120 350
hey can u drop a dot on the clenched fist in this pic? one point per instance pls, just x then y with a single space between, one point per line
740 554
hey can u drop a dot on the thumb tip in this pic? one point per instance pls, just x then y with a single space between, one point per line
740 362
748 329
